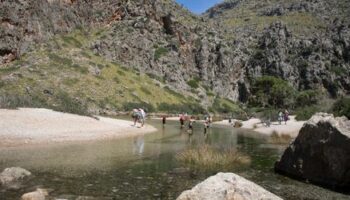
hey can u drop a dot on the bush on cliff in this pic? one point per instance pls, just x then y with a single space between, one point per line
342 107
272 91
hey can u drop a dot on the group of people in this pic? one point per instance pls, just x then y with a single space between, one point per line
283 116
191 120
139 116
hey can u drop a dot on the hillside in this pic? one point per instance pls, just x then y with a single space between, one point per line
108 56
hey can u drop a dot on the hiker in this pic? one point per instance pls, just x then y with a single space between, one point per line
206 126
135 116
142 116
182 120
190 125
286 116
164 120
280 117
209 121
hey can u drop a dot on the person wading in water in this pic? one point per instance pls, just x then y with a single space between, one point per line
164 120
182 120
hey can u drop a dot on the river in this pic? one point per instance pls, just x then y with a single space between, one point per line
144 167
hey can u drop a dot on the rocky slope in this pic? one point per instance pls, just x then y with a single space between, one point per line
218 54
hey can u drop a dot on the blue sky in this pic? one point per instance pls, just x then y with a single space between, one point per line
198 6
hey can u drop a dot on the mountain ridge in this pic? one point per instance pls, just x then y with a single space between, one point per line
218 54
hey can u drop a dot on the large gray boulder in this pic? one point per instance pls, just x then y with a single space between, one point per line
13 175
320 153
227 186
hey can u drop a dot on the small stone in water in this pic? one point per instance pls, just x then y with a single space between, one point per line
115 190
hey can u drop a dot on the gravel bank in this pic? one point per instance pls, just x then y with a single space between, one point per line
33 126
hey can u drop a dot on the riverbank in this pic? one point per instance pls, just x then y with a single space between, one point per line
27 126
292 127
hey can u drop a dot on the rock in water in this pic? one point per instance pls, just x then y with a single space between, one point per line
12 175
227 186
39 194
320 153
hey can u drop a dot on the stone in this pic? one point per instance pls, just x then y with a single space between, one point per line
12 175
227 186
39 194
321 152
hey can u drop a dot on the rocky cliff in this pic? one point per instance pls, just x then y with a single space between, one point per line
219 53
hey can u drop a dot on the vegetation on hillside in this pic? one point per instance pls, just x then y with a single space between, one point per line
65 75
342 107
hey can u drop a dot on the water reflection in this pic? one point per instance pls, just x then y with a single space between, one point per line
139 144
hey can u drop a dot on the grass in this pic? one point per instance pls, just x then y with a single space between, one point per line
276 138
206 157
226 106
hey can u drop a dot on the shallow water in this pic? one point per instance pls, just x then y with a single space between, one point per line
144 167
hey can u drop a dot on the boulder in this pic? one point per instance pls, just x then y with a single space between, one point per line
13 175
39 194
320 153
227 186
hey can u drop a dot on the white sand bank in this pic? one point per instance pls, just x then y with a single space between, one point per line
292 127
32 126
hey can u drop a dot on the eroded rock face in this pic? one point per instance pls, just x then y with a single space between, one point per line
227 186
320 153
13 175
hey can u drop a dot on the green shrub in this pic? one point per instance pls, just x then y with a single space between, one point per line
338 70
70 81
65 103
193 83
174 93
191 108
211 94
225 106
305 113
146 90
272 91
8 69
116 79
121 73
158 78
13 101
72 41
307 98
59 101
79 68
129 106
60 60
342 107
159 52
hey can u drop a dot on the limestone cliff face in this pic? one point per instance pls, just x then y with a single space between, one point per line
24 23
304 42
